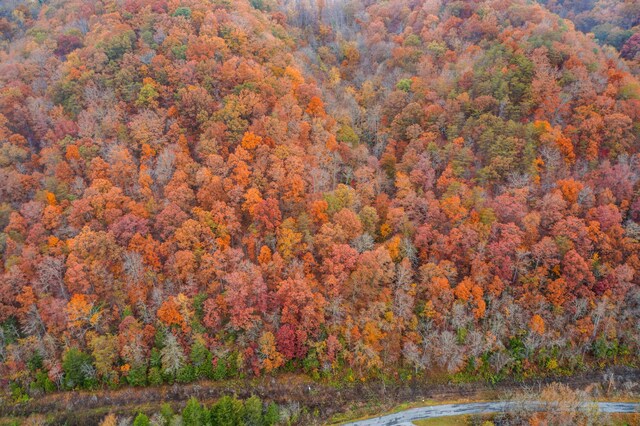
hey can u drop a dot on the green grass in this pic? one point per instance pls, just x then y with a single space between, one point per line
444 421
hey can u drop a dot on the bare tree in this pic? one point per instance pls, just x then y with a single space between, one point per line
172 355
51 276
133 266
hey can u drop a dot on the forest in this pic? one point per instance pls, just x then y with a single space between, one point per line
353 190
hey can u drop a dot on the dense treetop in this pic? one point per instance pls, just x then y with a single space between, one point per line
218 188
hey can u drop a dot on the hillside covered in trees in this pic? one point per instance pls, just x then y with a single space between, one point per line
614 23
351 189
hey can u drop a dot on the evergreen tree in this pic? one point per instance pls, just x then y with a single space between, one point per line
227 411
194 414
141 420
252 412
78 369
272 415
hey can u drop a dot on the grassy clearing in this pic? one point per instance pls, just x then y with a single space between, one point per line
444 421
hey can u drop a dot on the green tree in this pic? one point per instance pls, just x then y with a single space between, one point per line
404 85
166 412
183 11
194 414
43 383
137 376
272 415
119 44
148 96
154 378
227 411
141 420
202 360
79 372
105 352
252 412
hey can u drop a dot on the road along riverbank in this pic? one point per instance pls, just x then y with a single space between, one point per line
445 410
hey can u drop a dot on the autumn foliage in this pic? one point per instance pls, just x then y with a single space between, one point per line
215 189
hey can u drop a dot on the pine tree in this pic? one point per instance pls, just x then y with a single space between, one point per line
141 420
194 413
252 413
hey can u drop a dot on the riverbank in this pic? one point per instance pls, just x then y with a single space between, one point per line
475 408
320 403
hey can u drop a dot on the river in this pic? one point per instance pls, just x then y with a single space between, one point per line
407 416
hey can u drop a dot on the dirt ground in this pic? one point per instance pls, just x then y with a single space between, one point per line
322 402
